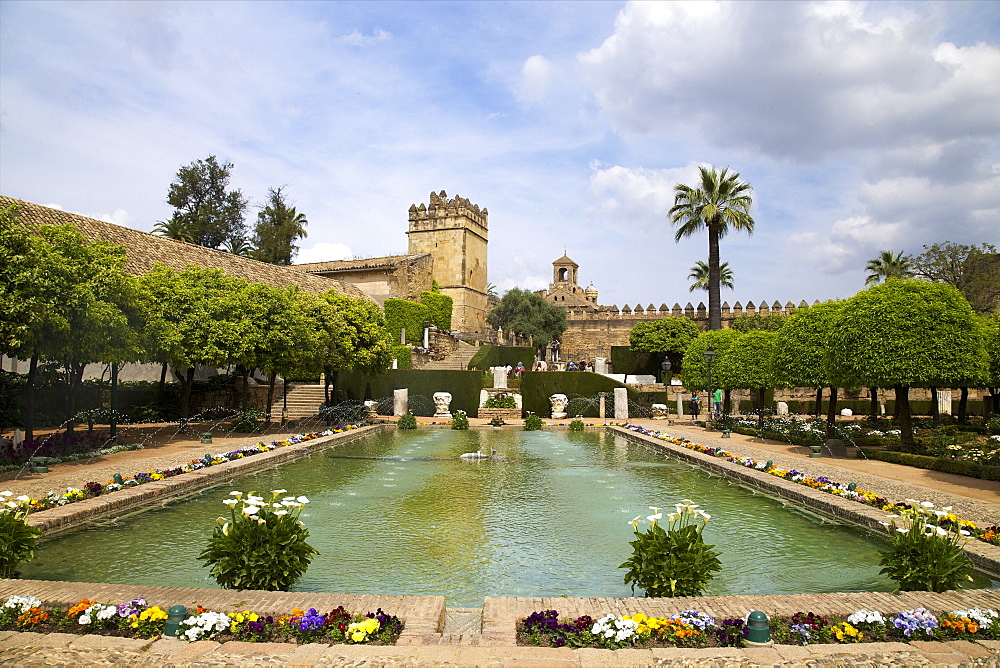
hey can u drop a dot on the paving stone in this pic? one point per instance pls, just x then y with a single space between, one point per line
181 651
969 648
29 639
596 658
257 649
307 655
94 641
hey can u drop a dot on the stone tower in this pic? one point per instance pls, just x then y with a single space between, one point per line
454 232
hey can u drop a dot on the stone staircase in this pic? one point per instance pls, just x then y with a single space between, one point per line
457 360
303 402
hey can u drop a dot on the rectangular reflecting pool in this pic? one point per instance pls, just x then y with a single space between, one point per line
400 513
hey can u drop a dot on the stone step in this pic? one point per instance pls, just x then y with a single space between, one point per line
462 621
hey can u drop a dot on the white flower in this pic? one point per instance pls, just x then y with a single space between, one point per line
250 510
6 493
278 491
654 509
927 504
280 512
230 502
236 494
654 518
302 499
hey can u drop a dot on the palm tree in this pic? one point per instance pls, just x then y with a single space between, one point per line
699 272
888 265
722 202
237 246
279 226
175 228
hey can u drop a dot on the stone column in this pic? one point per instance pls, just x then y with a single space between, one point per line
600 365
400 401
402 336
499 376
395 363
600 404
680 404
427 337
944 402
621 403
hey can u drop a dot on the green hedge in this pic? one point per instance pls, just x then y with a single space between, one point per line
404 356
859 406
464 387
970 469
489 356
538 386
440 307
625 360
400 313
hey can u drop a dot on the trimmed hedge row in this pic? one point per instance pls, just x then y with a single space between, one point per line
490 356
958 467
538 386
401 313
625 360
404 356
464 387
440 308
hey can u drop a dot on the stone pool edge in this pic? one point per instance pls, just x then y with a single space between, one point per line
984 556
61 519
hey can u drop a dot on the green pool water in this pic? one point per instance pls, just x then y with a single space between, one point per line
399 513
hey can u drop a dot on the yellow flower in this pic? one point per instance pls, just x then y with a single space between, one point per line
358 636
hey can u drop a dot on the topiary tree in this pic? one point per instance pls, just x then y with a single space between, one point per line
696 366
440 307
749 363
670 336
800 357
904 333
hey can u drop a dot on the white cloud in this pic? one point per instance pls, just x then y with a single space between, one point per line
536 79
118 217
357 38
324 251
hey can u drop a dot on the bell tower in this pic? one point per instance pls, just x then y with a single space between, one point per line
454 231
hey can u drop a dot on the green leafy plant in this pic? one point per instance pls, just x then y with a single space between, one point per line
460 420
500 400
925 556
577 424
247 421
407 421
261 546
497 421
674 561
532 422
17 538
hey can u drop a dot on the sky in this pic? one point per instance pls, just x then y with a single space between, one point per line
861 127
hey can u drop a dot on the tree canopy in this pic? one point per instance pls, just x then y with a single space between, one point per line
694 362
749 322
721 203
279 226
206 212
973 270
748 362
524 312
668 335
888 265
699 272
800 360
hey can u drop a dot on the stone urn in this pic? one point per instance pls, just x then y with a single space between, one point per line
371 409
442 401
659 411
558 403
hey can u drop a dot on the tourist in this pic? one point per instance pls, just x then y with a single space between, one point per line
519 370
571 367
555 349
583 365
717 402
695 406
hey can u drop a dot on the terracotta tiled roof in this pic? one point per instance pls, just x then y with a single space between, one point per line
366 263
144 250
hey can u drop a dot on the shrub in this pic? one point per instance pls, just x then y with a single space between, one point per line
17 539
674 561
460 421
404 356
247 421
577 424
500 400
259 547
439 307
400 314
923 555
407 421
532 422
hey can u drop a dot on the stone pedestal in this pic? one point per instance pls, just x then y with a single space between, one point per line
782 408
621 403
659 411
600 404
558 404
680 405
400 402
944 402
371 410
600 365
442 402
499 376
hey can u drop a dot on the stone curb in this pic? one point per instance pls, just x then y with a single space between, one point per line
984 556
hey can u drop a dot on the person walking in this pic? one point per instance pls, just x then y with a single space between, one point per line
717 403
695 406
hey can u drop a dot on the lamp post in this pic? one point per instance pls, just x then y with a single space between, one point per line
427 330
666 365
709 357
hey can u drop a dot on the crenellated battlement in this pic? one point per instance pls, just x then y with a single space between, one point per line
443 212
651 312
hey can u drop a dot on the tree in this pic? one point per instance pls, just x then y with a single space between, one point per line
906 333
279 226
173 228
670 336
699 272
720 204
237 246
973 270
749 363
20 266
696 371
800 358
526 313
203 207
888 265
355 338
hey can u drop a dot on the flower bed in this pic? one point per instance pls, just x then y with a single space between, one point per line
690 628
137 619
989 535
93 488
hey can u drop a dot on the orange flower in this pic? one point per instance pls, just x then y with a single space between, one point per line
80 607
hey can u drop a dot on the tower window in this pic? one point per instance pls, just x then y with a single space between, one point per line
563 274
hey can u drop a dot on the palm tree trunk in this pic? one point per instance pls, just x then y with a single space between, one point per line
714 289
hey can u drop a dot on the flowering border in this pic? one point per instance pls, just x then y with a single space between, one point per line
94 489
989 535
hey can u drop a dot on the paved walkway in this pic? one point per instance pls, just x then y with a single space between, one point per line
426 642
